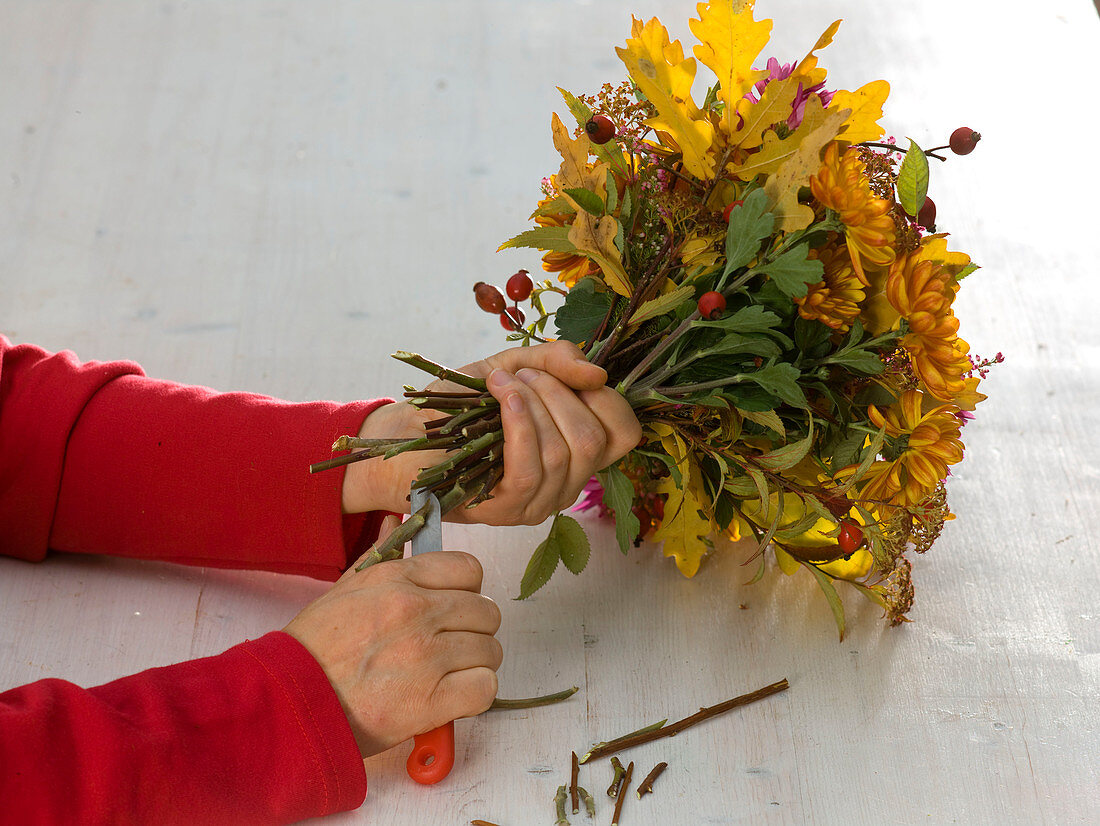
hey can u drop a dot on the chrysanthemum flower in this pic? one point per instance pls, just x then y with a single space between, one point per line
835 300
922 446
923 291
842 185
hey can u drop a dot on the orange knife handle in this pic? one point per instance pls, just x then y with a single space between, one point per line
433 755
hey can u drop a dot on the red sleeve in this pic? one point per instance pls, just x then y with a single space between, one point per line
254 735
98 458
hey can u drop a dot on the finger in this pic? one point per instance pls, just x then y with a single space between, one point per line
460 650
522 416
443 571
618 421
464 693
465 611
583 433
562 359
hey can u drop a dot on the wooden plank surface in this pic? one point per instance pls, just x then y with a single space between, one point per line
273 196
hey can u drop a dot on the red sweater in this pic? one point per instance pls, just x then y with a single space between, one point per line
98 458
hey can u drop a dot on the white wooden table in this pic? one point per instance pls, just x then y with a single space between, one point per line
273 196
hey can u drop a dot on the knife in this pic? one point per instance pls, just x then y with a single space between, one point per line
433 753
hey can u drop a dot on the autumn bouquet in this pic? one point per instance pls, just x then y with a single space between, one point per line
761 277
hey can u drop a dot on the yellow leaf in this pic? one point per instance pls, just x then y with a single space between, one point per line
775 152
794 173
807 68
595 238
730 41
773 107
683 529
575 172
787 563
854 567
665 78
866 105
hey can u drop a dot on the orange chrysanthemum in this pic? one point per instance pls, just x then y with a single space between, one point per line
923 445
835 300
923 291
842 185
571 267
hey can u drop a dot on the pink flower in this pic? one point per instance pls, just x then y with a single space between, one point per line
592 497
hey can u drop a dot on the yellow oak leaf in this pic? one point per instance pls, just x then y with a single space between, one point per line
684 529
794 173
730 40
665 78
575 172
773 107
774 151
807 67
866 104
595 238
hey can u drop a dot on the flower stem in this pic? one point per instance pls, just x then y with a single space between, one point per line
439 371
638 738
500 704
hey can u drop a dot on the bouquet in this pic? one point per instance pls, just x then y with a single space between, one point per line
761 276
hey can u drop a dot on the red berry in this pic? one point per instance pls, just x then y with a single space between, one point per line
711 305
600 129
726 212
927 215
850 537
963 140
512 318
489 298
519 286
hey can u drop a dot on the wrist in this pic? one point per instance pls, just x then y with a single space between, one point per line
381 484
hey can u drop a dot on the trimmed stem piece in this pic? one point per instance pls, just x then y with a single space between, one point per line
622 794
646 786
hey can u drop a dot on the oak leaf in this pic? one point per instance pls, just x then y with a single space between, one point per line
595 238
794 173
866 104
659 69
730 40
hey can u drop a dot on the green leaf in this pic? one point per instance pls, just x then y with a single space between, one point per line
759 575
573 546
830 595
913 179
969 268
661 304
766 418
618 495
750 224
863 362
751 319
584 309
586 199
608 152
845 450
780 380
543 563
870 593
553 239
612 193
556 206
788 456
762 491
792 272
798 527
869 454
742 487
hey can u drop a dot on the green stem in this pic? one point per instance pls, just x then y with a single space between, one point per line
533 702
657 352
439 371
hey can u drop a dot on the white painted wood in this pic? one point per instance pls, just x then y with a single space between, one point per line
272 196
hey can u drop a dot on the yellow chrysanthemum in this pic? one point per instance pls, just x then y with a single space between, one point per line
835 300
842 185
571 267
923 291
924 444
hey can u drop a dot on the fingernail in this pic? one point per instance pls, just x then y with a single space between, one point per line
515 403
527 375
499 378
